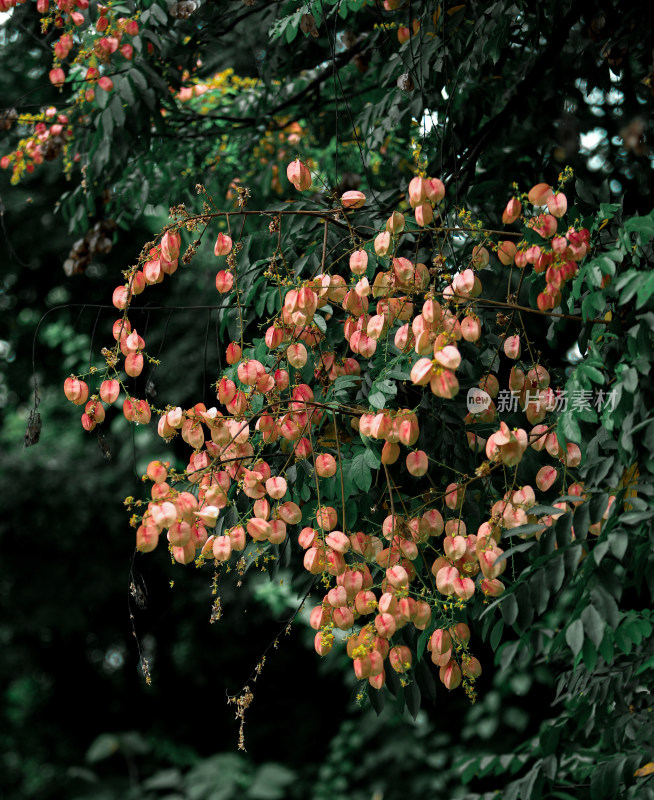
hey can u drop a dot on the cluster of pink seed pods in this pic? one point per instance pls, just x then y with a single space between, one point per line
416 567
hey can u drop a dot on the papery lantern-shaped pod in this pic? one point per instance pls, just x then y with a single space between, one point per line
492 586
277 531
352 579
338 541
470 666
276 487
273 337
233 353
441 659
417 191
395 223
546 226
539 193
224 281
538 437
546 477
424 214
464 588
134 364
179 534
259 529
385 625
289 512
390 453
326 465
512 347
377 681
353 199
361 667
454 547
343 618
506 252
400 658
450 675
440 641
76 391
170 243
121 297
147 538
185 554
557 204
454 496
365 602
326 517
57 77
422 616
512 211
397 577
109 391
382 244
223 245
572 455
296 354
298 174
422 372
323 643
445 579
359 262
434 189
222 548
471 328
417 463
448 357
444 383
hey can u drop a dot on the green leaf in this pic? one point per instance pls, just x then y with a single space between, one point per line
574 636
593 624
360 473
377 400
496 634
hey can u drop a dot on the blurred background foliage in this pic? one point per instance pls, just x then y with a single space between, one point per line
486 94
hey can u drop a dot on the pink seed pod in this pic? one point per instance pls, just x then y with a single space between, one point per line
120 297
290 513
325 465
546 478
385 625
400 658
512 211
222 548
224 281
471 328
326 517
322 644
276 487
223 245
338 541
417 191
134 364
57 77
234 353
448 357
76 391
353 199
395 223
359 262
444 384
417 463
109 391
512 348
506 252
557 204
424 214
296 355
105 83
298 174
382 244
450 675
390 453
539 193
434 189
397 577
572 455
